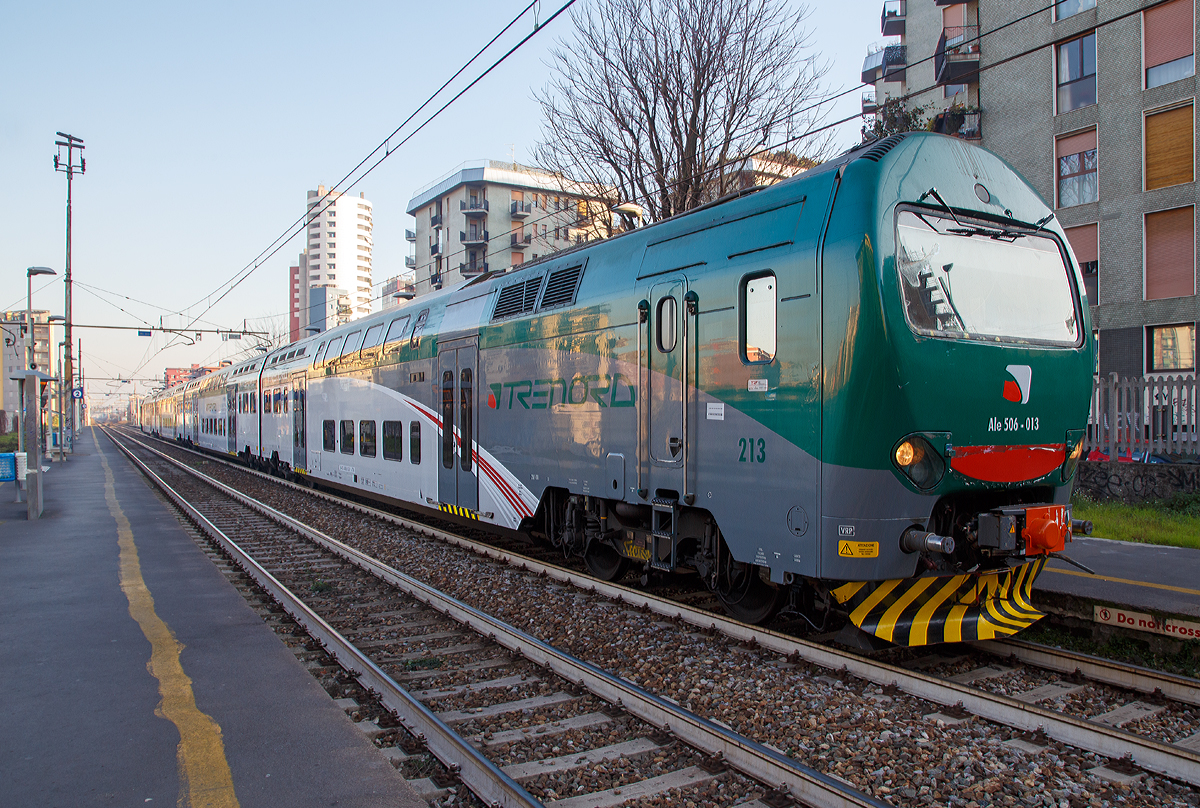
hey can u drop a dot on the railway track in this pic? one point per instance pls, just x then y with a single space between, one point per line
872 693
484 696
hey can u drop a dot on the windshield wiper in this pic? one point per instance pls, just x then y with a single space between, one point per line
964 230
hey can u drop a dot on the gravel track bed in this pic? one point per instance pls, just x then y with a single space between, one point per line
846 728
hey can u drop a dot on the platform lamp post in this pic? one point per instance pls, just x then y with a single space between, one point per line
33 402
58 318
74 147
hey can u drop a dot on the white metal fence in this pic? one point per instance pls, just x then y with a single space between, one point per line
1139 417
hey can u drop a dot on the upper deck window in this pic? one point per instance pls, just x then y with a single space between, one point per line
982 283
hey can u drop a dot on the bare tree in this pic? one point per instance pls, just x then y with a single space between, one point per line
662 102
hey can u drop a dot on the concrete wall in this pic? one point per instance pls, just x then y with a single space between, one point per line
1134 483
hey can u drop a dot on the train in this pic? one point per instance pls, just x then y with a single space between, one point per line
858 395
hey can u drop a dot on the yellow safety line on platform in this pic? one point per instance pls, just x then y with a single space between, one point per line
204 777
1112 580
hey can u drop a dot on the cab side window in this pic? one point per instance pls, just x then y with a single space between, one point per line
758 318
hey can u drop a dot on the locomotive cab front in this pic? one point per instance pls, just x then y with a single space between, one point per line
982 391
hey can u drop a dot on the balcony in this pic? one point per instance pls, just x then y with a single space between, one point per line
470 269
520 210
435 220
956 60
473 207
965 123
474 238
891 22
435 280
435 248
410 235
872 65
410 261
520 242
869 107
895 60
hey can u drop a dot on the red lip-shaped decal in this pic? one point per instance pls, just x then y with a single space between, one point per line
1012 391
1007 464
492 400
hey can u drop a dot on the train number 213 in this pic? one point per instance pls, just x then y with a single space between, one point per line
749 453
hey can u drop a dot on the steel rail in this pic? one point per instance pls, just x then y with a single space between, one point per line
1167 759
760 762
484 778
1131 677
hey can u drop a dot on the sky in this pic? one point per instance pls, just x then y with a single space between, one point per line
206 124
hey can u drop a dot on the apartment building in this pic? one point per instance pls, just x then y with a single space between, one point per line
1093 101
398 289
14 357
489 215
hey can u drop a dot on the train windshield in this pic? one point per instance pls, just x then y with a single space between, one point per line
978 282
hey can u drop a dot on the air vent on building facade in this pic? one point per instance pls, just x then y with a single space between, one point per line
517 298
876 152
561 286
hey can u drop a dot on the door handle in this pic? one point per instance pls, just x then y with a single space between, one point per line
675 445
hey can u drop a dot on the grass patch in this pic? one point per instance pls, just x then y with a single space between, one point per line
1175 522
1119 648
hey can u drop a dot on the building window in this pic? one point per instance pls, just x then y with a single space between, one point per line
1169 144
1171 348
1077 73
1077 183
1171 253
951 90
1168 32
1085 244
1069 8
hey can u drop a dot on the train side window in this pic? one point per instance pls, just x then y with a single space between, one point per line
328 436
393 440
758 325
286 395
278 400
666 324
448 419
366 438
319 355
395 333
347 437
266 401
414 443
253 403
466 398
372 337
353 341
335 350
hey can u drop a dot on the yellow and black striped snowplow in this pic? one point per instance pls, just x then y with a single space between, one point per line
958 608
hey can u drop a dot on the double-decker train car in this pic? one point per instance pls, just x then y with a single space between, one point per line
860 392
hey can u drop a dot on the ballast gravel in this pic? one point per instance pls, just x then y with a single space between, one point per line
879 742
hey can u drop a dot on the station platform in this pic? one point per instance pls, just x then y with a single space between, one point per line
152 681
1148 578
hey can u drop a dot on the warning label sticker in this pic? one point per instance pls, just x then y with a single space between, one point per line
1112 616
858 549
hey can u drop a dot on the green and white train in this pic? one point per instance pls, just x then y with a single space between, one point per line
860 392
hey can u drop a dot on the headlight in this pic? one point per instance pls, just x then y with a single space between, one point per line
919 462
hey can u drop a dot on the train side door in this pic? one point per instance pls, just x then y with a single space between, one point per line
231 410
299 408
666 387
458 472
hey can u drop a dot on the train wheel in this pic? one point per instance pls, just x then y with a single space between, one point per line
749 598
605 562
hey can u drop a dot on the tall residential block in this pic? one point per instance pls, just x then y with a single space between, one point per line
1094 103
490 216
339 246
14 359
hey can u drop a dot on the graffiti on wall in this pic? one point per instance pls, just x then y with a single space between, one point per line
1132 483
